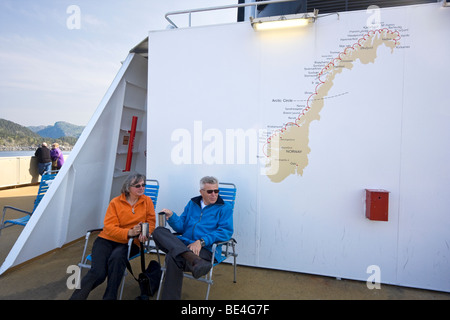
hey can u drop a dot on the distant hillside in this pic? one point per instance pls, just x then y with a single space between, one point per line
13 136
58 130
11 132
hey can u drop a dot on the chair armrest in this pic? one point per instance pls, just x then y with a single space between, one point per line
17 209
13 208
218 243
227 243
88 233
225 252
94 230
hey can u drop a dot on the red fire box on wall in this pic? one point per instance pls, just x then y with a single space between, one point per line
377 204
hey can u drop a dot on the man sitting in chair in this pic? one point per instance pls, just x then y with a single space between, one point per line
206 219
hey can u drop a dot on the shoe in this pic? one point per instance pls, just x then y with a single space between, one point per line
199 267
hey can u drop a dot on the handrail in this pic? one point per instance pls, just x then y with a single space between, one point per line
230 6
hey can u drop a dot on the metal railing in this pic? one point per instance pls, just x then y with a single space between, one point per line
231 6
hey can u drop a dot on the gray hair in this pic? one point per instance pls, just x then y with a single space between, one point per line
208 180
132 179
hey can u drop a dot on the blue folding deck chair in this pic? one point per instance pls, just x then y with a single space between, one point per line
151 190
227 192
46 180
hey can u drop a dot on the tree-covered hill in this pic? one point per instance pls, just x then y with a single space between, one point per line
58 130
13 136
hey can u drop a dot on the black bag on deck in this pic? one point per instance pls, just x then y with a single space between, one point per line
149 278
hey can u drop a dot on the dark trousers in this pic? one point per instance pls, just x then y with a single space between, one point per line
175 263
108 260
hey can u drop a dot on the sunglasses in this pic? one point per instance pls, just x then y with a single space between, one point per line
139 185
211 191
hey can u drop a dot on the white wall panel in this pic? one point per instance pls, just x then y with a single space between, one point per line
383 124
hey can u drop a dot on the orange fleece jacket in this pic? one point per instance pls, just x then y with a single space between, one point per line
119 218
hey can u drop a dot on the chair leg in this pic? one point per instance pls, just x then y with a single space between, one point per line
207 291
160 282
234 266
208 278
122 286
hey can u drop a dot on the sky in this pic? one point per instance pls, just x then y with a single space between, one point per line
58 58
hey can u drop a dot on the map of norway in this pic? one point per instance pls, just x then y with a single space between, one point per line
287 148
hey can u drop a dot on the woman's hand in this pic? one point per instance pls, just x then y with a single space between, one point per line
143 238
135 231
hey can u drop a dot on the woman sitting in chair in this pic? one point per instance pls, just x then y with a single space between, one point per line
123 220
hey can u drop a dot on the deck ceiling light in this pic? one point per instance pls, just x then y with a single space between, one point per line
286 21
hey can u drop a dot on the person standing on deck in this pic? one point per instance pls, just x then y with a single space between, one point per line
44 159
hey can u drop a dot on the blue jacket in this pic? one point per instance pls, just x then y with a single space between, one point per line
212 223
